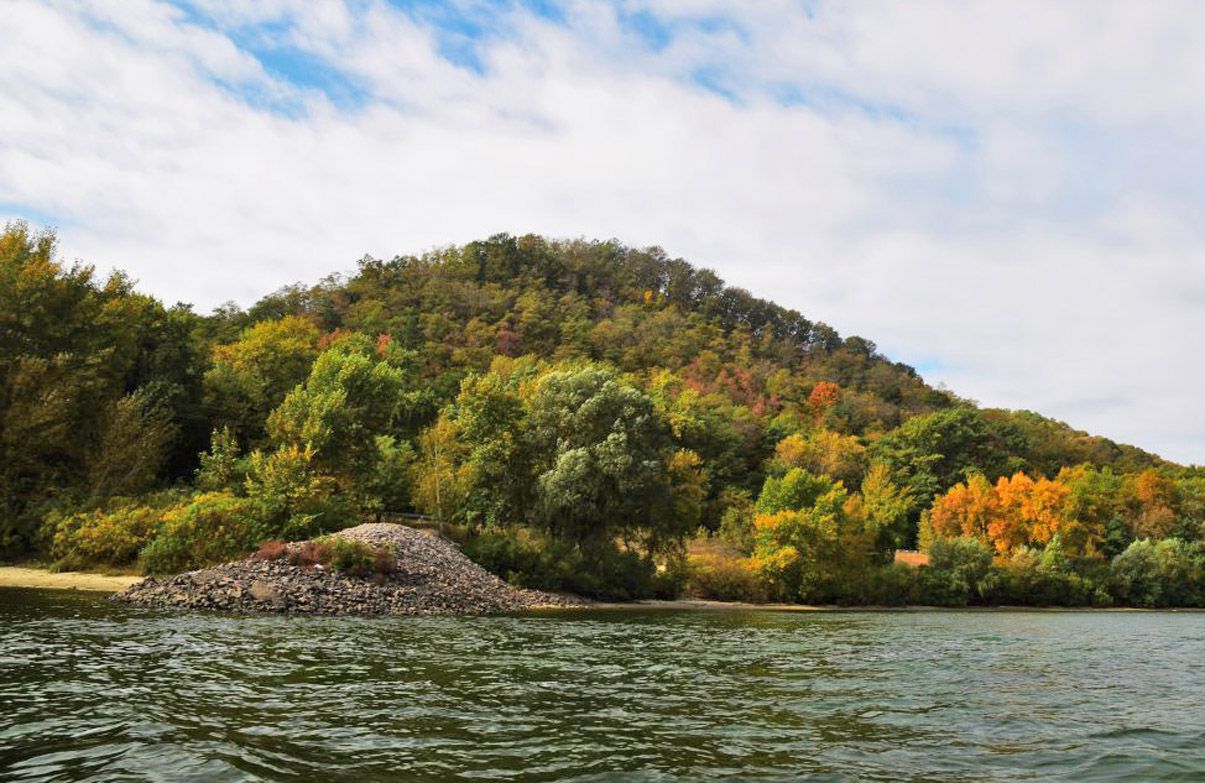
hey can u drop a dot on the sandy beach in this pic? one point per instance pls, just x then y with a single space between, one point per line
17 576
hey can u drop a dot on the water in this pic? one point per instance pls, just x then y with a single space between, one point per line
91 691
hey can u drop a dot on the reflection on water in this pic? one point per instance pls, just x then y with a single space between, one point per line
89 690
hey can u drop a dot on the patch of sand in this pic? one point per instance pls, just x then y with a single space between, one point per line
17 576
911 557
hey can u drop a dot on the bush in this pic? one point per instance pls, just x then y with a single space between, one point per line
170 533
1167 573
526 559
957 568
100 537
274 549
1034 578
210 528
895 584
723 576
353 558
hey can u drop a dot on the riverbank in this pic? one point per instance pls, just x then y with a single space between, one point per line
44 579
707 605
24 576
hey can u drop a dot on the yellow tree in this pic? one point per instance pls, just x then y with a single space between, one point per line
824 452
1152 500
1029 512
967 509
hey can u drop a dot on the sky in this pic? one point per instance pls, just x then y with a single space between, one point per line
1007 196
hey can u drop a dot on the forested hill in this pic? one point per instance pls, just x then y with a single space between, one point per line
584 395
644 313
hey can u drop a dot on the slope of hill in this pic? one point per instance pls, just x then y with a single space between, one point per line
580 408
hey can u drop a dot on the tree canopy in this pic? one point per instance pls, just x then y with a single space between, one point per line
575 407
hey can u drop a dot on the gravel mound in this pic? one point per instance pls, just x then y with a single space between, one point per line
431 576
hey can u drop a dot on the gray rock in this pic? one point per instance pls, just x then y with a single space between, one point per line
261 591
430 576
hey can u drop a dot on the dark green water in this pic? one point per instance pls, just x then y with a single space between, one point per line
90 691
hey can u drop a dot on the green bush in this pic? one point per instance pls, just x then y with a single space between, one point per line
353 558
956 572
894 584
1031 577
100 537
210 528
526 559
1167 573
168 533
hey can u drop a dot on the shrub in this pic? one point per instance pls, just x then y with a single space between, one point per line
957 568
724 576
100 537
1167 573
210 528
354 558
1031 577
895 584
273 549
527 559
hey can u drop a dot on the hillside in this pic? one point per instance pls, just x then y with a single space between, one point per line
563 401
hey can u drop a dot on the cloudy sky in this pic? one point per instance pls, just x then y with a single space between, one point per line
1006 195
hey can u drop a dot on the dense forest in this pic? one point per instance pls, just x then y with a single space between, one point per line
581 416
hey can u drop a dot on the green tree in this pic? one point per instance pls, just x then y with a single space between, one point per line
600 455
133 448
251 376
345 415
885 507
929 454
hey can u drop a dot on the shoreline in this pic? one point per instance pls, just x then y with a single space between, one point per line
43 578
708 605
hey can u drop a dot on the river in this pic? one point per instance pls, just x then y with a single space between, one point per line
94 691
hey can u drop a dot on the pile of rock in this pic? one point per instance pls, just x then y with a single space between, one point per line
431 576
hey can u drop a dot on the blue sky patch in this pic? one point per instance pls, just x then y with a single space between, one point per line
35 217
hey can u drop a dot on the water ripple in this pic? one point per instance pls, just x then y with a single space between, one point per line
91 691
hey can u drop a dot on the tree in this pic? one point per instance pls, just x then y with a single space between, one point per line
885 508
1093 508
572 451
344 415
251 376
966 510
133 448
821 451
71 347
442 474
1017 511
931 453
600 455
1152 499
1028 511
812 538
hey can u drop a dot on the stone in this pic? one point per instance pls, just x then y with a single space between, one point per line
430 575
263 591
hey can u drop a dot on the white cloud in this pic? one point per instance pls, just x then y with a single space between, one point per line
1002 191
